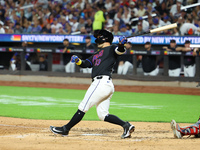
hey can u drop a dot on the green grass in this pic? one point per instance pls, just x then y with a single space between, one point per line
61 104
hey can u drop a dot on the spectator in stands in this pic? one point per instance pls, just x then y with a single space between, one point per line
46 29
56 25
124 31
34 27
145 24
63 21
83 31
149 10
69 67
61 31
188 28
18 29
126 15
116 30
81 23
175 9
88 11
68 28
166 21
108 4
100 4
43 64
53 30
2 13
174 61
99 19
133 8
141 10
149 64
88 26
74 24
122 10
139 29
125 61
189 61
50 19
162 9
1 27
132 22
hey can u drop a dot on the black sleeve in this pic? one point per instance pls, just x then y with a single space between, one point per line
121 48
87 63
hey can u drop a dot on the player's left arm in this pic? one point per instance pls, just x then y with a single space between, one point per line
82 63
121 49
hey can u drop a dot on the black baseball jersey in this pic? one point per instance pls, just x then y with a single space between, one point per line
102 61
149 62
174 61
189 60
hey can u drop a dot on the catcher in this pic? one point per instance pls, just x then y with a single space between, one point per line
101 89
179 132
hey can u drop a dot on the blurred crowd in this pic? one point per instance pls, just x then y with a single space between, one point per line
122 17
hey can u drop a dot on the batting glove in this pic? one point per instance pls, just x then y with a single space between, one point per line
122 40
75 59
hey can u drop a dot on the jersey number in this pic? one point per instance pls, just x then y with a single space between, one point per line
97 62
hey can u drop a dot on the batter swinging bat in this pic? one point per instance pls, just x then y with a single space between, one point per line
167 27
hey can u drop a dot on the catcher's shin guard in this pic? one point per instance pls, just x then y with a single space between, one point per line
191 130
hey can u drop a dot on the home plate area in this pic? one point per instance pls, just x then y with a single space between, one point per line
33 134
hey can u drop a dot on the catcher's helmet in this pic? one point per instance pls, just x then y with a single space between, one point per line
103 36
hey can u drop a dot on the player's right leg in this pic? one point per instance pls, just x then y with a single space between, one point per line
64 130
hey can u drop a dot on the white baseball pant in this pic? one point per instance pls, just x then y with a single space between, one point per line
99 93
152 73
174 72
123 69
189 71
70 67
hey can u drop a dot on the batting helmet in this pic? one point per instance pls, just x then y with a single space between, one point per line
103 36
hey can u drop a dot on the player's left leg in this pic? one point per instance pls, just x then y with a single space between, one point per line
103 114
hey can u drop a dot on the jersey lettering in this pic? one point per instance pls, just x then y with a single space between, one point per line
96 61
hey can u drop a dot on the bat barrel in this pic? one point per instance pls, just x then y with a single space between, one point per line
167 27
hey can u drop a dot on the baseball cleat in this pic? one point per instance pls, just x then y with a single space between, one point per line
59 130
174 127
128 129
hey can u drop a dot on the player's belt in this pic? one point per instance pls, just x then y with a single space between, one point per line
101 77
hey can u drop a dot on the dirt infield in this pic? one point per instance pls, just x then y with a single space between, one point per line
29 134
32 134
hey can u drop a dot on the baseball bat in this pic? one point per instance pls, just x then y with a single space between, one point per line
195 45
167 27
189 6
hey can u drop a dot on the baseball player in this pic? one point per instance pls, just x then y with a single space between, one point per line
174 61
179 132
101 89
189 61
